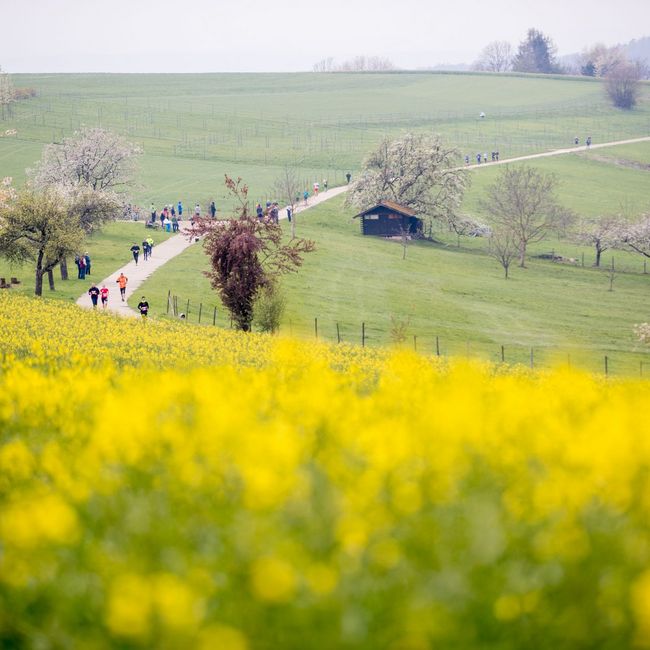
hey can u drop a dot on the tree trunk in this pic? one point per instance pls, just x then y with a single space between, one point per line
293 223
50 278
598 254
522 255
38 289
506 270
64 269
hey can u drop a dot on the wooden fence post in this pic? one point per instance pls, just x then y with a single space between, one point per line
214 316
338 333
316 327
200 310
437 346
363 335
169 295
187 310
503 354
415 342
606 366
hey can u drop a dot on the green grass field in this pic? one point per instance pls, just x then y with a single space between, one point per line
196 128
108 251
456 294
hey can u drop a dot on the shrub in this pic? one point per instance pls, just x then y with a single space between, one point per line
268 308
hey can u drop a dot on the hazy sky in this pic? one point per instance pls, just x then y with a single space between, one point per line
268 35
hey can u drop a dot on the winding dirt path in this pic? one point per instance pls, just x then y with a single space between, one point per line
175 245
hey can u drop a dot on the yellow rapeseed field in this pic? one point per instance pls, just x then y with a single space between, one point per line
170 486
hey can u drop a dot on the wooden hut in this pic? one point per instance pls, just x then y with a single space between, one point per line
389 219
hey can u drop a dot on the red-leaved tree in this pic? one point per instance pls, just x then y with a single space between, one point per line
246 254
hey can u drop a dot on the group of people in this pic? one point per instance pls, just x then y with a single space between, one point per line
83 265
147 247
171 215
96 294
483 158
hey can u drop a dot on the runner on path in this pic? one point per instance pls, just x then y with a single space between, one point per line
93 292
143 306
122 281
135 249
103 292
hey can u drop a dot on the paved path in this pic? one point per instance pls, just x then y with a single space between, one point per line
161 254
164 252
557 152
175 245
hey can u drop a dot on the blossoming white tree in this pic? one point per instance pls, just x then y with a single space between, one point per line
93 169
7 94
636 236
602 233
417 171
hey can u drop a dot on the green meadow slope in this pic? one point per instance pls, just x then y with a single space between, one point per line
196 128
457 294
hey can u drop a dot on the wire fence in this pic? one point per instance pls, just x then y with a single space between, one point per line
614 362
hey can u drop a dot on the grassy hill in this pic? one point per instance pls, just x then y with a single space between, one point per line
195 128
456 294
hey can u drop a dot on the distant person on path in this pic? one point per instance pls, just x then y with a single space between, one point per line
122 282
143 306
82 267
466 159
496 153
289 213
174 224
180 210
87 260
135 249
103 292
576 141
485 157
145 250
213 209
259 211
150 242
162 219
305 196
153 213
316 188
93 292
173 211
197 210
348 176
167 224
478 158
324 185
588 142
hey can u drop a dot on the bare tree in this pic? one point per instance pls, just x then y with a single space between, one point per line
417 171
495 57
503 247
599 60
359 63
622 85
522 201
286 188
601 233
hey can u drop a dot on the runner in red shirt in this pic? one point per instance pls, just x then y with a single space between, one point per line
103 293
